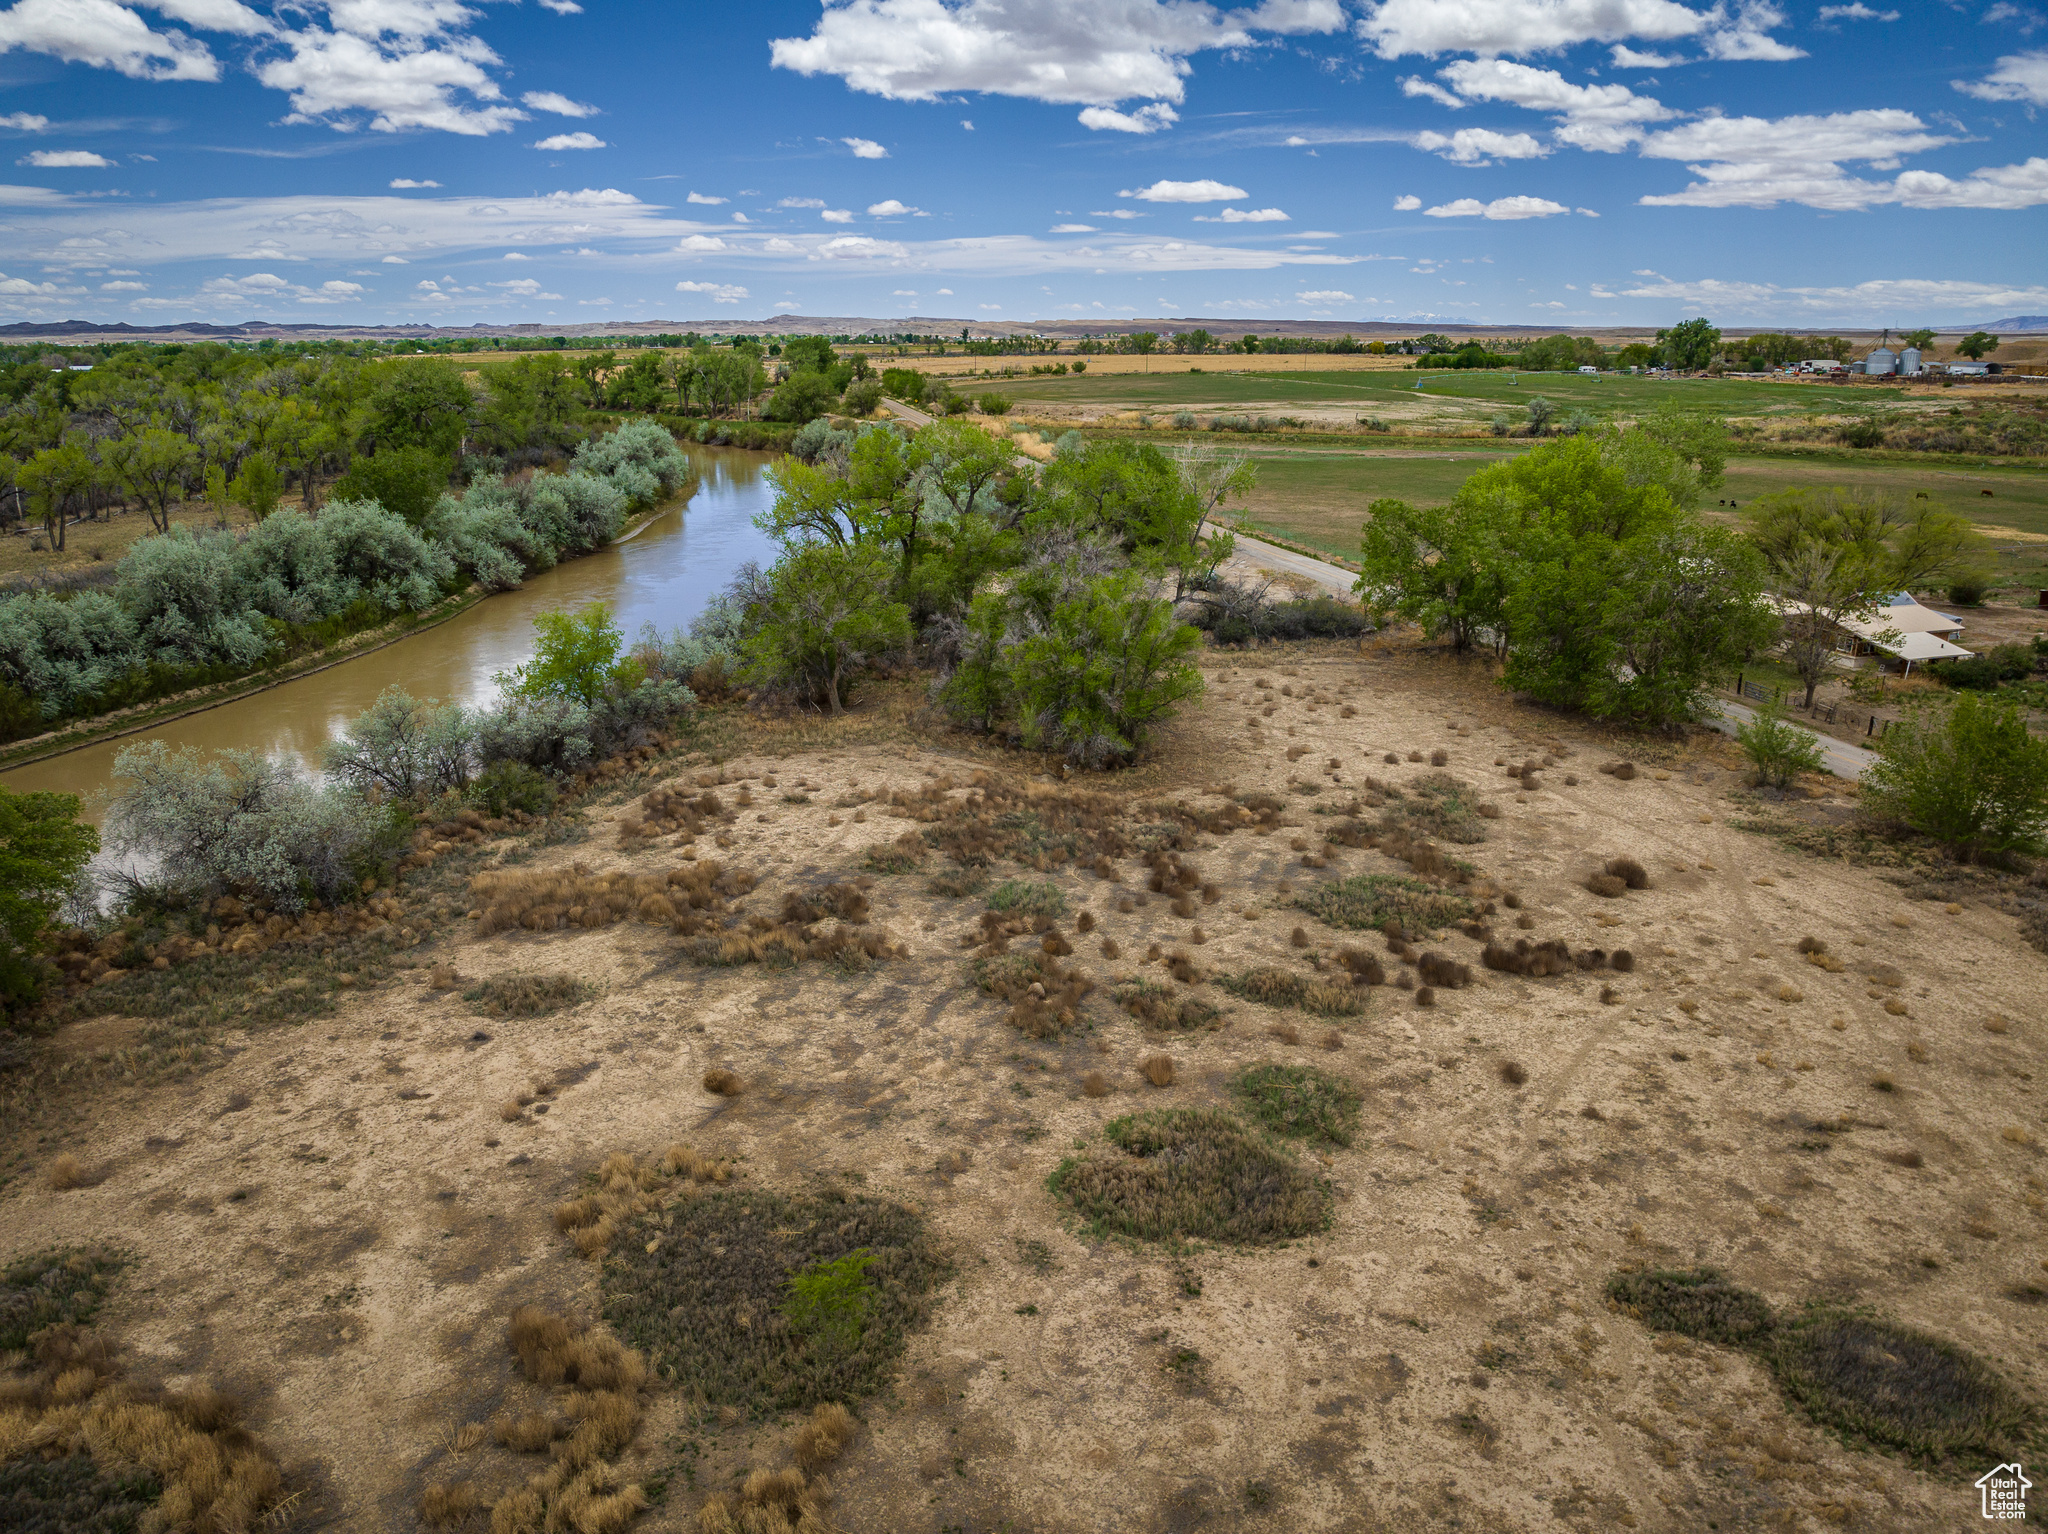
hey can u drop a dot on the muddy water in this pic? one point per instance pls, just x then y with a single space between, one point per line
663 574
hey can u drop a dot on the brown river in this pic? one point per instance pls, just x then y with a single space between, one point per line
664 574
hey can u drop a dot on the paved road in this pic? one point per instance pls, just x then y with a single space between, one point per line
1843 760
1254 552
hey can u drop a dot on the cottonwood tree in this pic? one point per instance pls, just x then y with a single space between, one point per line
155 466
822 613
1972 777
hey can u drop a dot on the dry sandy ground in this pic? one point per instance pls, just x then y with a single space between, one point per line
338 1223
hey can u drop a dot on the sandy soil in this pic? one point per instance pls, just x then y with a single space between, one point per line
337 1222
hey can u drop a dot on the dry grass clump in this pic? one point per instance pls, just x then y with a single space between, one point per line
1158 1069
1441 806
1369 901
1514 1073
670 812
721 1082
1695 1302
1552 956
957 883
769 1303
824 1437
1629 871
769 1502
1180 1173
1095 1084
443 1507
1443 972
61 1287
67 1172
1607 886
1045 999
690 897
623 1189
527 995
905 855
79 1435
1284 988
1021 897
1040 825
1301 1101
1286 1033
1625 771
1162 1007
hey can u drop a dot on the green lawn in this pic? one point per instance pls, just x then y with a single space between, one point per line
1174 387
1319 496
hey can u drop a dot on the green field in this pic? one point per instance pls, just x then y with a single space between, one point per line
1165 391
1318 497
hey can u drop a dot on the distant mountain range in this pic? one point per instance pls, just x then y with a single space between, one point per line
2017 322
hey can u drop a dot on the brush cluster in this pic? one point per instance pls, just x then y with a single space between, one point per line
1200 1173
671 812
1276 987
691 897
1552 956
625 1189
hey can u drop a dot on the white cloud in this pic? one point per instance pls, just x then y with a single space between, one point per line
1599 117
891 208
775 245
407 184
1115 212
1245 216
103 35
945 292
801 202
237 291
1407 204
700 242
741 218
124 287
1586 212
1863 304
2018 77
515 255
1397 27
66 159
865 149
1623 57
1325 296
837 215
1480 146
859 247
1856 12
1755 162
399 69
721 292
557 103
1147 119
1747 36
395 261
990 307
1070 52
562 7
25 122
1499 208
709 202
1187 191
571 141
965 123
1073 229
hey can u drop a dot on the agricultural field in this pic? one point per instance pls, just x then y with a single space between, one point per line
851 1124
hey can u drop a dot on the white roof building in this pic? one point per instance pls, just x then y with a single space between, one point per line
1901 630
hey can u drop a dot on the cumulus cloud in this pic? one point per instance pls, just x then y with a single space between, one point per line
721 292
562 7
1858 304
103 35
1480 146
2018 77
1398 27
1073 229
1325 297
837 215
407 184
865 149
801 202
890 208
1244 216
1599 117
124 287
1499 208
709 202
1065 52
25 122
1759 162
397 64
1147 119
65 159
700 242
571 141
270 286
1857 12
1407 204
557 103
1187 191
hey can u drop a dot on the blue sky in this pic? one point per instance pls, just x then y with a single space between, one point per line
1554 162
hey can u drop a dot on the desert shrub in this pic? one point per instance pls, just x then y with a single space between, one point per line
1285 988
1776 750
640 459
403 747
905 855
1631 873
244 823
1900 1388
405 481
1975 780
53 1288
1027 899
958 884
1191 1172
1441 805
72 1495
527 995
1160 1006
43 851
1373 900
711 1304
768 1502
506 786
1696 1302
1607 886
1301 1101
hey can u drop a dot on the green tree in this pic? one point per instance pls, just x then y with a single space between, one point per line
822 614
405 480
258 487
1974 779
155 466
1111 664
1921 339
575 657
420 403
1778 751
801 397
1440 567
43 849
1689 346
1977 344
57 479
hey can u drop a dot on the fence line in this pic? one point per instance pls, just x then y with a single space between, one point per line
1837 714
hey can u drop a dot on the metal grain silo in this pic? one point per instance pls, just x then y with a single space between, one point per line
1881 363
1909 362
